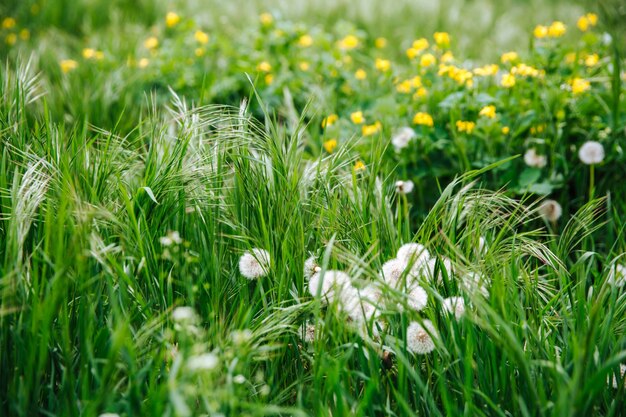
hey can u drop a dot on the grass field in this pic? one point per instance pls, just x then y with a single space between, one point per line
312 208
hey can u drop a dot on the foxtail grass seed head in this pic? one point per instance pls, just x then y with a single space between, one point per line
420 337
203 362
402 138
550 210
454 306
591 153
617 276
254 264
404 187
533 159
311 267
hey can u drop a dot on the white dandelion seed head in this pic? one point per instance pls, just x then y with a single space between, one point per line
414 253
550 210
622 374
455 306
474 283
311 267
329 285
239 379
307 332
617 276
430 272
402 137
420 337
203 362
591 153
404 187
364 306
417 298
184 314
392 272
535 160
254 264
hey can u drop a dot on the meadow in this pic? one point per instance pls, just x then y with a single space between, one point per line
312 209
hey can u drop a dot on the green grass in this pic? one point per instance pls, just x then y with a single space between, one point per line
101 166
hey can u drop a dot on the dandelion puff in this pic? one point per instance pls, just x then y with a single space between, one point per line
617 276
307 332
392 272
204 362
402 138
254 264
533 159
239 379
328 285
550 210
417 298
591 153
429 269
404 187
413 252
311 267
362 306
420 337
454 305
184 314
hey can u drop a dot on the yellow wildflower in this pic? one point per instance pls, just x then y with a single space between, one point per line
199 52
329 120
416 81
368 130
423 119
201 37
420 44
525 70
10 39
442 39
579 85
330 145
509 57
412 53
304 66
586 21
349 42
171 19
68 65
357 117
359 166
447 57
264 66
305 41
143 63
269 78
570 57
24 34
266 19
421 92
380 43
89 53
463 126
486 70
488 111
427 60
592 60
404 87
151 43
8 23
540 31
360 74
556 29
382 64
505 130
508 80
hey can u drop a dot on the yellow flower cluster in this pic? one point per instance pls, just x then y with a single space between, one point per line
555 30
266 19
264 66
486 70
151 43
8 23
488 112
579 85
382 65
586 21
201 37
380 43
329 120
68 65
305 41
509 57
330 145
508 80
349 42
171 19
360 74
442 39
359 166
357 118
408 85
526 71
368 130
90 53
418 47
423 119
428 60
460 75
465 126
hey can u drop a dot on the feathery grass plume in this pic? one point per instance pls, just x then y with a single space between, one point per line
420 337
254 264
